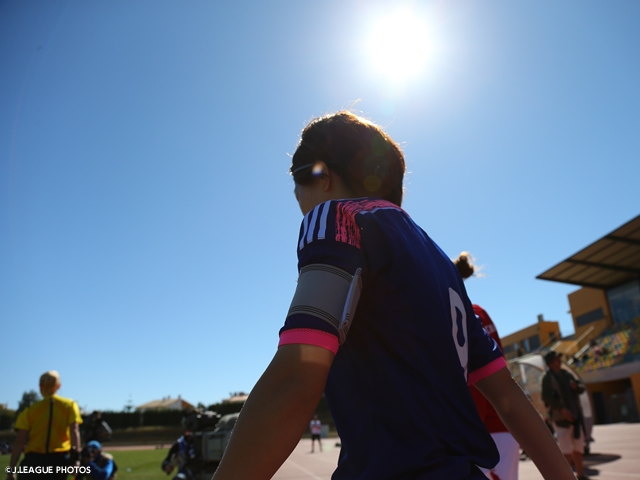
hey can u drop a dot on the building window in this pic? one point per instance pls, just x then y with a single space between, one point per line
592 316
534 342
518 348
508 349
624 302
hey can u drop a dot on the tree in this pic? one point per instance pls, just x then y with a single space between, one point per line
129 407
28 398
6 418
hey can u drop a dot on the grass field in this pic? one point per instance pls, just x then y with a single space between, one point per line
132 464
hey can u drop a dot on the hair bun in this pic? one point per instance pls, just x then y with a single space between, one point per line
464 264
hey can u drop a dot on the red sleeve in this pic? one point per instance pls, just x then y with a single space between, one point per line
487 324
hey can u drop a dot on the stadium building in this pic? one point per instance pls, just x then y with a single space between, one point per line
531 339
605 349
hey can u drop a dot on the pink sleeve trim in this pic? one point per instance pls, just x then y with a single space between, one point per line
488 369
308 336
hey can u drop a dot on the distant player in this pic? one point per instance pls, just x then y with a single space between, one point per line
316 429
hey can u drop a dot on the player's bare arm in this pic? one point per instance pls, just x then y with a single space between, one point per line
525 424
276 413
18 446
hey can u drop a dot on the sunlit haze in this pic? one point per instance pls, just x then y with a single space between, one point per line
399 45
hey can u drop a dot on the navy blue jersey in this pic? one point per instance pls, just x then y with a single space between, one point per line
398 387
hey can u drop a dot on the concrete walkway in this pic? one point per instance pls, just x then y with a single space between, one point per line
616 456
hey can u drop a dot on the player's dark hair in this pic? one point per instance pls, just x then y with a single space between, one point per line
367 160
465 265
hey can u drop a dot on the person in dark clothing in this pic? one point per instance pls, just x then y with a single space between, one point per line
182 455
96 428
560 393
102 465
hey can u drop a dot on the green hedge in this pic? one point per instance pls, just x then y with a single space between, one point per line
159 418
7 418
149 418
225 408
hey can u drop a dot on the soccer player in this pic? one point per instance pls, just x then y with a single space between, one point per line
316 429
507 467
381 323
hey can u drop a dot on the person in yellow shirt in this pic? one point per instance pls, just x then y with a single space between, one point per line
49 434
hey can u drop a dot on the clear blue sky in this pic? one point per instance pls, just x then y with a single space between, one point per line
147 223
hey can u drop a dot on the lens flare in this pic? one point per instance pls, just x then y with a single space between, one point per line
317 169
399 45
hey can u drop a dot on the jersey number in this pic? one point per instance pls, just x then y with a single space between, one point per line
459 328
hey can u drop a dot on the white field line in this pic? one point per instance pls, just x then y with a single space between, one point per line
304 470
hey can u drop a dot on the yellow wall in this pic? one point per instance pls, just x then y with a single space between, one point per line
549 332
587 300
608 388
612 408
543 329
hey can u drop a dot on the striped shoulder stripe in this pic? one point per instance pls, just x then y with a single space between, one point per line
314 218
323 221
314 225
305 227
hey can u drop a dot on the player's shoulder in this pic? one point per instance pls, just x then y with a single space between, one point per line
36 407
483 315
63 400
337 220
70 406
478 310
22 422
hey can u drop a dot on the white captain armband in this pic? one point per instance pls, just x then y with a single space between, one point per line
328 293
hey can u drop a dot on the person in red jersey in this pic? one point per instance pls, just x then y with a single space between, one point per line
507 467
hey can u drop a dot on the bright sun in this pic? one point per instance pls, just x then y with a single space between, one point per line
399 46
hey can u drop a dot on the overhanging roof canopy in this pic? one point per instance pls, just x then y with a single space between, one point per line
606 263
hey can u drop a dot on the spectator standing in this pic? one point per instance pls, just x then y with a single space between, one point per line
97 429
48 432
560 392
316 429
